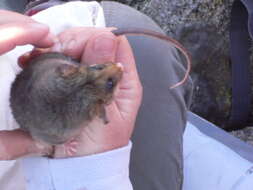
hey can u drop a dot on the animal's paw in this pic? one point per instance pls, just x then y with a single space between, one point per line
71 147
68 149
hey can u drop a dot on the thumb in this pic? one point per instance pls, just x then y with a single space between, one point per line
22 33
17 143
100 48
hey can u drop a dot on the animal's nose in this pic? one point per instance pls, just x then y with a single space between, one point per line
120 66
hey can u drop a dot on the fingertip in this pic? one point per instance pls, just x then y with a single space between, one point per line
15 144
39 26
49 40
38 34
23 33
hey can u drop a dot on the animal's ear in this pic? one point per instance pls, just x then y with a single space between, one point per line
67 70
24 59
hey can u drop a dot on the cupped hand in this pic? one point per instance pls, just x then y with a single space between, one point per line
96 46
17 29
93 46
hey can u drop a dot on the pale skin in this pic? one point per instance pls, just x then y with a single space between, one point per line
91 46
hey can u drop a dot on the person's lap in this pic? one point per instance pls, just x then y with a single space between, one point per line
156 161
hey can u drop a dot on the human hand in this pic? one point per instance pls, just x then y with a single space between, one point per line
96 137
96 46
17 29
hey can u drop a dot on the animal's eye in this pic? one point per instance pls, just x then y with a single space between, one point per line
109 84
98 67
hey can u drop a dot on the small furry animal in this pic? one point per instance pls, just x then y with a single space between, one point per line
54 95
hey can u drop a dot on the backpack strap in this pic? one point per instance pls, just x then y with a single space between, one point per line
240 58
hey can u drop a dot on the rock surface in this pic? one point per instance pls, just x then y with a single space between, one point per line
202 27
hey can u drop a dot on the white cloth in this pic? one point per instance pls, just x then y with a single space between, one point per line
106 171
209 165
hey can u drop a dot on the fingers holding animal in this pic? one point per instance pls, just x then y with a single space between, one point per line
73 42
79 43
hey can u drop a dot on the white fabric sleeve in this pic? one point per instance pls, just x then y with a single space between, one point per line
105 171
209 164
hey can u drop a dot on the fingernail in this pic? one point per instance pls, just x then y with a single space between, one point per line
39 26
50 39
104 44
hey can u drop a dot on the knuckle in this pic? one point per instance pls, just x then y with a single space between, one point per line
3 153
